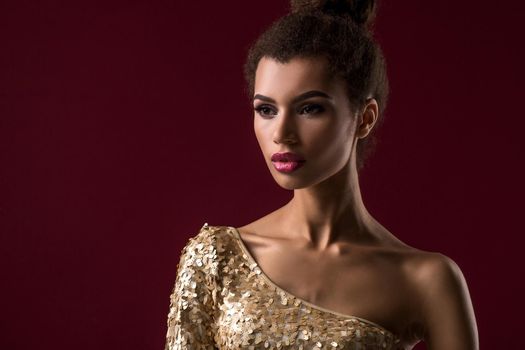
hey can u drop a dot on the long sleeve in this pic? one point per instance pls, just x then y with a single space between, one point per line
191 323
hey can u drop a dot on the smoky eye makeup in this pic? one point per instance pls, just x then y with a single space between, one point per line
312 108
265 110
308 109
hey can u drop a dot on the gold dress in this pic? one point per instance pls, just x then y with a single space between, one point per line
223 300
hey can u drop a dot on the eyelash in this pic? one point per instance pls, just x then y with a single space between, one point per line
318 108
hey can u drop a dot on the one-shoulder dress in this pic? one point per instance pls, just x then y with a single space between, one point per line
223 300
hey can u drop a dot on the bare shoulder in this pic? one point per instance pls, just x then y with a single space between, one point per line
424 266
435 275
442 301
434 267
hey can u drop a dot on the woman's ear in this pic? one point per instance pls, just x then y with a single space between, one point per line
368 118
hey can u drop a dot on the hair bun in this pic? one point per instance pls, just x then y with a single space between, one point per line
361 11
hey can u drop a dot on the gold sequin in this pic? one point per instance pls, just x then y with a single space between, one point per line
222 300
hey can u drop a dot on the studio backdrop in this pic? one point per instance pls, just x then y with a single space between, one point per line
124 127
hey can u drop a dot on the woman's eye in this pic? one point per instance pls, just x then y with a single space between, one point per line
264 110
312 109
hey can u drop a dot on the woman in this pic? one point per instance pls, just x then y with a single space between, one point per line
320 272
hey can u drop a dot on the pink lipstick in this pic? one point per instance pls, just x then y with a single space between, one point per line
287 162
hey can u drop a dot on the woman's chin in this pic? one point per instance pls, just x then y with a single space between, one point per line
291 183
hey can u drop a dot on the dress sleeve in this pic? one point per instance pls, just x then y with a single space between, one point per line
191 323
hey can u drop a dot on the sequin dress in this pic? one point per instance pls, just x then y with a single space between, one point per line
223 300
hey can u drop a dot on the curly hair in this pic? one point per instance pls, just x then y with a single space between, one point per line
341 32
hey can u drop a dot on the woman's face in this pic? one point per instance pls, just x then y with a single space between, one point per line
300 108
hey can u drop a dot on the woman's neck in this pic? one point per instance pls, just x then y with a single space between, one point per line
330 211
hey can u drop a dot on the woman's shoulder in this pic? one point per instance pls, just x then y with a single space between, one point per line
205 249
420 265
434 276
428 267
415 260
209 240
208 234
441 291
425 269
423 263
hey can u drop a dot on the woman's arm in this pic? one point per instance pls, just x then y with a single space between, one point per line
190 320
446 308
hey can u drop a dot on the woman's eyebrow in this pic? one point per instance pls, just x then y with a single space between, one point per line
303 96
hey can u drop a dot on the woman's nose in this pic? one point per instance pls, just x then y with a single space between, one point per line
285 128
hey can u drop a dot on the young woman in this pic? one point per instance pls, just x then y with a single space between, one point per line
319 272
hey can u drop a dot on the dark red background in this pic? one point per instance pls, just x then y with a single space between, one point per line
124 128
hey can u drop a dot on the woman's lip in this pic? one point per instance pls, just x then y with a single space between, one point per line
288 167
286 157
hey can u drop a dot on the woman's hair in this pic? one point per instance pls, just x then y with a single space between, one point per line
339 31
